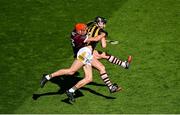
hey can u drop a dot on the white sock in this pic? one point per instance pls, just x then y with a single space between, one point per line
123 64
71 90
48 77
111 87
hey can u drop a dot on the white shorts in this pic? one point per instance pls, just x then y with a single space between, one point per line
85 55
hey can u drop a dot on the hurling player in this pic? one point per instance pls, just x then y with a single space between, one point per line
83 53
95 28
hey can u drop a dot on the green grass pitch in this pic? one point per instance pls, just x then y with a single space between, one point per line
34 39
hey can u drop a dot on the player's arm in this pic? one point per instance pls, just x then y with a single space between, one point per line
95 39
103 42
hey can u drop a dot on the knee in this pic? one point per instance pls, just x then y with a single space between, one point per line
71 72
102 69
89 79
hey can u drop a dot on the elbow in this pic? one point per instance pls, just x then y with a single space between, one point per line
104 46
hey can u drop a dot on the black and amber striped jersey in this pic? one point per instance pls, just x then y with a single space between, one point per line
93 31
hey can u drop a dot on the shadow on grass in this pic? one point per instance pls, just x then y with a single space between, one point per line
65 83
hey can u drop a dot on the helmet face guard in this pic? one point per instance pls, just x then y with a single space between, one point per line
100 21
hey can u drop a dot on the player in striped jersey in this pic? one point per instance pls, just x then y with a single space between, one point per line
95 28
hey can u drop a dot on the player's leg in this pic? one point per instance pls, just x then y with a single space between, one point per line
69 71
99 55
99 66
87 79
113 59
117 61
84 56
88 76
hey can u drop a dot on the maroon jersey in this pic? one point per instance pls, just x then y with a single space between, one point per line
77 41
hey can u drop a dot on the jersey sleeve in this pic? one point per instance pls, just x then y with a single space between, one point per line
90 23
103 31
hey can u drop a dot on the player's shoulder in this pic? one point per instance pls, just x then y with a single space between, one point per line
73 33
103 31
91 23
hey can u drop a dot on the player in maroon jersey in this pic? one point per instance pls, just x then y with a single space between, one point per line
83 53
